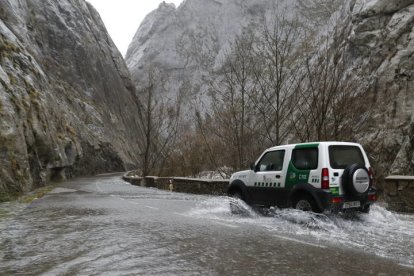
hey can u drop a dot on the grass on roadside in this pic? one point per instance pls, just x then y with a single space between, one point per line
36 194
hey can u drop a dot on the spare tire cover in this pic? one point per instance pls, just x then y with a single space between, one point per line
356 180
360 180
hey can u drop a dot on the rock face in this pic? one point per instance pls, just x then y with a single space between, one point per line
188 41
67 103
382 48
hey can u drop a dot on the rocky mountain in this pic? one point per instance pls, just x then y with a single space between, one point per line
382 49
67 102
188 41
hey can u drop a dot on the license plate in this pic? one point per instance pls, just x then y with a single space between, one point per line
351 204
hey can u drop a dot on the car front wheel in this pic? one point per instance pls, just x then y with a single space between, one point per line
236 206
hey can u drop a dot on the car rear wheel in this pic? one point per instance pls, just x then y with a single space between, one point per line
365 209
305 203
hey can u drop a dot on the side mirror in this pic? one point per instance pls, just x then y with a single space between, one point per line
252 166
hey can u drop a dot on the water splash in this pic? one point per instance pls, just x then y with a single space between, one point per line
380 232
219 208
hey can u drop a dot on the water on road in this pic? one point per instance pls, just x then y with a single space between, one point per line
103 225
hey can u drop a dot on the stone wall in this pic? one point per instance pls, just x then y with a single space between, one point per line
399 195
181 184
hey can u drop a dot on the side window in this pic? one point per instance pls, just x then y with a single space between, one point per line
271 161
305 159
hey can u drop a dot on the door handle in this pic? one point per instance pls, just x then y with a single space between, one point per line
277 176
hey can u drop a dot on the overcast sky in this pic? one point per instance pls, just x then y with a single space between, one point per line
123 17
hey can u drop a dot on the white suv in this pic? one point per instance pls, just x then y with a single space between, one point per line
311 177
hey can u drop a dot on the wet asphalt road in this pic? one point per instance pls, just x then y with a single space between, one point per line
104 226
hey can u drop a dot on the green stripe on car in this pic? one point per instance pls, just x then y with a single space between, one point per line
307 146
295 176
334 191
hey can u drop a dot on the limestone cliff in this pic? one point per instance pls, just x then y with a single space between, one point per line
186 42
67 104
382 50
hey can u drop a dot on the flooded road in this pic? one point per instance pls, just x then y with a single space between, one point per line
104 226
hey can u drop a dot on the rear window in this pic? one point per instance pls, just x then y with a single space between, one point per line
343 156
305 159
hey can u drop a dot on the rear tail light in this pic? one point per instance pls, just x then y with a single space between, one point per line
372 197
337 200
325 179
371 177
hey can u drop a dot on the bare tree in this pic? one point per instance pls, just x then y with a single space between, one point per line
159 120
318 12
231 108
316 92
328 97
276 74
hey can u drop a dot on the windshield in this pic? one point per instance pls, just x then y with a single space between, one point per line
343 156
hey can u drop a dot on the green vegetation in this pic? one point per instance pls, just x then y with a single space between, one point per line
7 48
26 102
33 93
3 13
16 103
12 78
6 87
14 165
61 136
34 97
38 193
70 130
5 197
27 198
